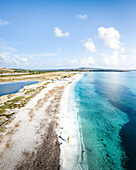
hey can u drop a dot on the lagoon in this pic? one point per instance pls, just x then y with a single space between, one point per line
14 87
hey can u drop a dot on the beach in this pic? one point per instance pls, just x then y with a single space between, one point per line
70 155
30 140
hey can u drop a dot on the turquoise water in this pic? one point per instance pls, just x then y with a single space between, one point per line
14 87
106 105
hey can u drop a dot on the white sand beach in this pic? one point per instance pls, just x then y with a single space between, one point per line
30 140
69 128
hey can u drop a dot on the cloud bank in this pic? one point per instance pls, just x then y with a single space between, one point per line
8 58
85 62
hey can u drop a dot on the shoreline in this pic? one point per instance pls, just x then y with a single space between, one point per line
69 127
30 140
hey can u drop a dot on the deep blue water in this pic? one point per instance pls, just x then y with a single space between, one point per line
106 105
13 87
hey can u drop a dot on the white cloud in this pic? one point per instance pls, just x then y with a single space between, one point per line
12 59
16 62
85 62
5 57
133 62
119 60
59 33
89 45
20 60
44 54
122 50
110 36
123 58
73 62
16 56
24 59
111 60
81 16
3 23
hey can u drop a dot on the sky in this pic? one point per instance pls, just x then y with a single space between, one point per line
52 34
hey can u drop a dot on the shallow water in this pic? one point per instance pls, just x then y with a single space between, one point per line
14 87
106 104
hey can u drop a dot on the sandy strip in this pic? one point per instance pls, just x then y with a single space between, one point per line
30 141
70 151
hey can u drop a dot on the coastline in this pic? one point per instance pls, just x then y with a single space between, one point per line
30 140
70 153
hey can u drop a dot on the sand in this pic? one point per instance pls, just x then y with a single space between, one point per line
70 152
30 140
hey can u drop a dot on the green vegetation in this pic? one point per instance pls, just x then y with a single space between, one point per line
8 115
46 83
17 99
7 109
24 72
28 98
17 102
2 107
2 111
30 91
23 103
9 96
10 105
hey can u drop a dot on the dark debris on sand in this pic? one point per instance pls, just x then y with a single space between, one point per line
47 155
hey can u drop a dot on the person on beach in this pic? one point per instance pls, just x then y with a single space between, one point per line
68 139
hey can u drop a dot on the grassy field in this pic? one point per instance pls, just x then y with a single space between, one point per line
40 76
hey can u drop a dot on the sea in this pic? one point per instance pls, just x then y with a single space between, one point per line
105 104
14 87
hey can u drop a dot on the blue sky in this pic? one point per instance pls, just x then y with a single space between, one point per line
42 34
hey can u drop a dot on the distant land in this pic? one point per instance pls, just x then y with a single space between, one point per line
12 71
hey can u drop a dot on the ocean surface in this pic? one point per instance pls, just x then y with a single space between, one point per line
14 87
106 113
